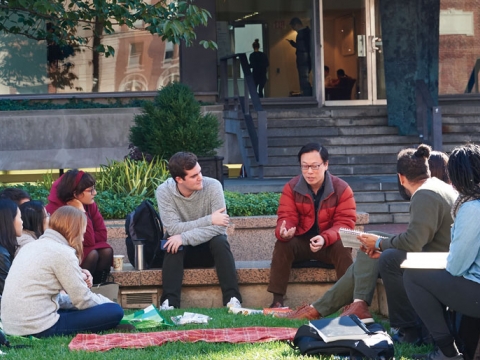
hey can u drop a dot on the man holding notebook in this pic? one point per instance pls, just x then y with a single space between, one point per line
428 230
312 209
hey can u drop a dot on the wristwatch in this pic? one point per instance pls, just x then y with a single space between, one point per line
377 243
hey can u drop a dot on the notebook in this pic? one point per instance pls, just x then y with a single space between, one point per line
349 238
340 328
425 260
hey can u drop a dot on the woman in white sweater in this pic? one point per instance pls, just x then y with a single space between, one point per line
31 302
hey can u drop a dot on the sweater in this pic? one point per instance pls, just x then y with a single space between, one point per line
27 237
464 254
337 208
191 217
96 235
430 220
31 296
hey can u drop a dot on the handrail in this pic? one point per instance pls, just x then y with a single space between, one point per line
473 79
428 112
258 136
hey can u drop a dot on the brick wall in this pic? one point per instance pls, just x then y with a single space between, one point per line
458 53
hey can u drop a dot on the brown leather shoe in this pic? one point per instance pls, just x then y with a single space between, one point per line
276 304
306 312
360 309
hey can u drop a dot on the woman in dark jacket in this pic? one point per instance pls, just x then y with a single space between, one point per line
11 226
77 188
259 64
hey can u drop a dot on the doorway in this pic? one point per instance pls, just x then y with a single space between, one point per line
352 53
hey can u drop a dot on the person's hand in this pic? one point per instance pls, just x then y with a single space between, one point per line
373 254
173 243
286 234
368 240
87 277
316 243
77 204
220 218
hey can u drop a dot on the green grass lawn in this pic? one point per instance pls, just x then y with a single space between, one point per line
57 347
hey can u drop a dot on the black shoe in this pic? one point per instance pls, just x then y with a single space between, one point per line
408 336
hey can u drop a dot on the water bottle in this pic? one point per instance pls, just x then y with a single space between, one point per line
139 260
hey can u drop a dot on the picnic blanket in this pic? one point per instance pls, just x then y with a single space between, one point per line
95 342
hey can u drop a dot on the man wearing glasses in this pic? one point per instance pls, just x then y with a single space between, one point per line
313 207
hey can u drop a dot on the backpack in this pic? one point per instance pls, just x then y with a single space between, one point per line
144 223
378 346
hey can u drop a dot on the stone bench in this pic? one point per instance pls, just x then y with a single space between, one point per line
252 240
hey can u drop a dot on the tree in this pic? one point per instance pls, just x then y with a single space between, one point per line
172 20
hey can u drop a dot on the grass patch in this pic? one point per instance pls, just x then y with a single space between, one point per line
57 347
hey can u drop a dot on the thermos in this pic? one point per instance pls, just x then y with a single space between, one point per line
139 260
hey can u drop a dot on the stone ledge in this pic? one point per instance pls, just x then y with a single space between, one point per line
248 272
251 238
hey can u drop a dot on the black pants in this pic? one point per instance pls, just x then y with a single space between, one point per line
400 311
431 291
214 252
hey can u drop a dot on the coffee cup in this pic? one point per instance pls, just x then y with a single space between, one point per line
118 262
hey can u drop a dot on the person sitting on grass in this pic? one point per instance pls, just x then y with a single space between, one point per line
428 230
458 286
35 221
32 303
18 196
77 188
10 228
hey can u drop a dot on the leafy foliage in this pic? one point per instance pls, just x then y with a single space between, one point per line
71 20
137 178
173 122
251 204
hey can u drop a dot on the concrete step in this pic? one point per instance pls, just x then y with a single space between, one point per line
282 141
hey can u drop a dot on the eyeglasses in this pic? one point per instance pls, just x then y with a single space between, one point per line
314 167
92 190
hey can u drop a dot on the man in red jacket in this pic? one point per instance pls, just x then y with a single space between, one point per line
313 207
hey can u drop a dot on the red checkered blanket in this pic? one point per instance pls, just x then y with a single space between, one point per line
94 342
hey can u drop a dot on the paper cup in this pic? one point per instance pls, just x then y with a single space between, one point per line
118 262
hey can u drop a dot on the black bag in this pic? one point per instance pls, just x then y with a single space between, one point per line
378 346
144 223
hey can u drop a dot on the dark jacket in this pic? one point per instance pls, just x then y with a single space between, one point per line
5 263
337 208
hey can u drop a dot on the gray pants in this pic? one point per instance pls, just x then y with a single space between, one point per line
359 282
216 251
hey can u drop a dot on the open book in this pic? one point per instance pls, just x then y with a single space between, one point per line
349 238
425 260
340 328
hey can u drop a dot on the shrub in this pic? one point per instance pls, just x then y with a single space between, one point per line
130 177
172 123
251 204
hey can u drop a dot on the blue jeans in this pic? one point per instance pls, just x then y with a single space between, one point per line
95 319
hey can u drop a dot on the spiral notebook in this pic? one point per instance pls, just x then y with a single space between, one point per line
349 238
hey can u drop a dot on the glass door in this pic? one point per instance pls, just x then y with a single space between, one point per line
352 53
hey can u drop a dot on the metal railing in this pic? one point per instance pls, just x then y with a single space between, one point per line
473 80
258 135
428 113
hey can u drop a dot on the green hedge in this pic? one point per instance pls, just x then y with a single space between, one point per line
117 206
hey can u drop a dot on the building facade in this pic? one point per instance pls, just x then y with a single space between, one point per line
301 39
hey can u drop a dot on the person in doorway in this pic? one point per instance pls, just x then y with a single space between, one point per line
312 209
304 61
193 211
428 230
259 64
328 78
